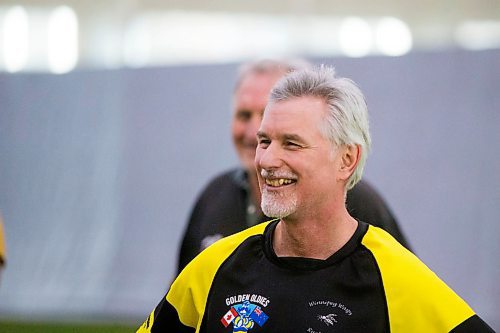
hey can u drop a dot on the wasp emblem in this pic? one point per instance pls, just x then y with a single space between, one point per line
328 319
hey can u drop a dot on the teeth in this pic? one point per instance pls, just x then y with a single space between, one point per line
278 182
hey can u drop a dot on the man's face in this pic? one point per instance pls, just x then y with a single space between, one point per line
250 99
296 164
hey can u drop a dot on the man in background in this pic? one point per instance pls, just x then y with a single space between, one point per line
231 201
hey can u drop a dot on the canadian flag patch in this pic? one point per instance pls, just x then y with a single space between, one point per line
229 317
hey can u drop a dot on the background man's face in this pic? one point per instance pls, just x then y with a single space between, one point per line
250 99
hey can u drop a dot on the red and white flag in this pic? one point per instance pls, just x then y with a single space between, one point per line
229 317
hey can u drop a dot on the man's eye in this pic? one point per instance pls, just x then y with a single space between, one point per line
264 142
292 144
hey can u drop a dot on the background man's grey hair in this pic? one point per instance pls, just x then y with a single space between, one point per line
347 121
271 66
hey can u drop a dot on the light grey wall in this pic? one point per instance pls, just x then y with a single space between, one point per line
98 171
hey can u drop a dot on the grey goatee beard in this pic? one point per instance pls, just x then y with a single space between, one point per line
278 204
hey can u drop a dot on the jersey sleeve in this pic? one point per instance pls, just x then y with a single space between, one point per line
417 300
182 309
164 318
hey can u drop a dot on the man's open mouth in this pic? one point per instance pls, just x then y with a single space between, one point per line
279 182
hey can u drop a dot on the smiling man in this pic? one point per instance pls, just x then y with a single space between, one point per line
303 178
314 268
231 201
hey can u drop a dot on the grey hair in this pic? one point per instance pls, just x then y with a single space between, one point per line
347 121
271 67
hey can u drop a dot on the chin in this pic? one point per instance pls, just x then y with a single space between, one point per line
280 214
273 208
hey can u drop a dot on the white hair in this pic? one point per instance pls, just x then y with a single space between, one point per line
347 121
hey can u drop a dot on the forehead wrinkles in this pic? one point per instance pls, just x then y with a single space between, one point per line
280 116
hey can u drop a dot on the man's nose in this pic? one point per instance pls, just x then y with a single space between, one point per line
269 158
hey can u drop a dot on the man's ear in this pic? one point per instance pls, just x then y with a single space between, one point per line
349 160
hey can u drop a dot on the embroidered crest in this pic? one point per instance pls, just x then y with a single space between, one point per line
244 316
327 313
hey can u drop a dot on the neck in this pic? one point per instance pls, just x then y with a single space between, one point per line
316 237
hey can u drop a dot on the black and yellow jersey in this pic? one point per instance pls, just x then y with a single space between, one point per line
372 284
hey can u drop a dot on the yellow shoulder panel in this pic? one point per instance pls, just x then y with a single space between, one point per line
417 300
189 292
